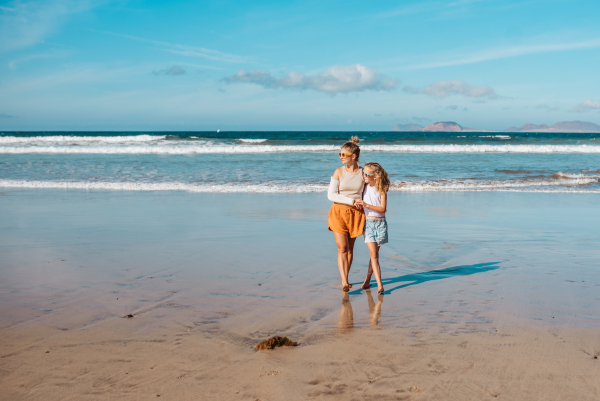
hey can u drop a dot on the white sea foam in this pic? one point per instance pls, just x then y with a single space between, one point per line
496 136
200 147
247 140
561 175
67 139
572 184
166 186
491 185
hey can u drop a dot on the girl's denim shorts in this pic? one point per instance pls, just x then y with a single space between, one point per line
376 231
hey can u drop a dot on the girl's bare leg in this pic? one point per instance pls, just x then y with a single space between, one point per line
345 244
367 282
374 251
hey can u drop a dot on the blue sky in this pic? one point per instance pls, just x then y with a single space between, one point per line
297 65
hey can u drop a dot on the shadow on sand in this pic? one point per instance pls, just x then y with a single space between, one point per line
419 278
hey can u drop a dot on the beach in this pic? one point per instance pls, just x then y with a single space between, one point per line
171 173
488 294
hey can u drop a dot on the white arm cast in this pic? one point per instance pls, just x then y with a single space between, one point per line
334 195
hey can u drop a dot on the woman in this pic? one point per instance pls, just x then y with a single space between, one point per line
346 217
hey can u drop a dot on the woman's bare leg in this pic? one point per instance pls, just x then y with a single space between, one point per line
374 251
344 256
351 242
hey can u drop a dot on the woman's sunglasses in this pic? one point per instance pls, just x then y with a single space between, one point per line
368 175
345 154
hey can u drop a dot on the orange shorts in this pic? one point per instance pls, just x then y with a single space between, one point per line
347 220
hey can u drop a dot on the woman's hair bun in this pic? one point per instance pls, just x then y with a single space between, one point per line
355 140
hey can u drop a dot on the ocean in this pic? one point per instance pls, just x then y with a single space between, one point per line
297 161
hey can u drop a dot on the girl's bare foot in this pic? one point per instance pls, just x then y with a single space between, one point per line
380 290
345 287
367 283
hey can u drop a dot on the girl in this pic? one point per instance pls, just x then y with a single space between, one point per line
346 217
374 202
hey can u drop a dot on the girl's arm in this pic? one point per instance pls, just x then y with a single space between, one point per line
378 209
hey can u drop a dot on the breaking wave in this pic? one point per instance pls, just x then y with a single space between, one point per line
205 147
245 140
67 139
559 182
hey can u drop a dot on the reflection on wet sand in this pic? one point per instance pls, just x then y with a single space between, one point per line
374 308
346 320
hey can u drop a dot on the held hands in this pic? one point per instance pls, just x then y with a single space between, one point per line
359 204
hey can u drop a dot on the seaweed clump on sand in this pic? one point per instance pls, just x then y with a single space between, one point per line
275 341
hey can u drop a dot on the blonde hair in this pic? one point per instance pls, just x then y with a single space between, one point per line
382 181
352 146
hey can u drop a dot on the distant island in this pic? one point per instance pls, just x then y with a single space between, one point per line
450 126
563 126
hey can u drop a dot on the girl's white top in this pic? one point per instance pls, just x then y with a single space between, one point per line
372 197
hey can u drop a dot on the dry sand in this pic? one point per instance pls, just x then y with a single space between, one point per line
124 358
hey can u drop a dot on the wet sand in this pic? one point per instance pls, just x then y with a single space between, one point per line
487 295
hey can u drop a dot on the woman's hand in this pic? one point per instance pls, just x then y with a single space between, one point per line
359 204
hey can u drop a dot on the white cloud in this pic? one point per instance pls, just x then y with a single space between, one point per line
175 70
586 106
455 87
336 79
28 22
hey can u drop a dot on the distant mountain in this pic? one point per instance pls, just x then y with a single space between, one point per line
407 127
576 126
532 127
443 126
450 126
563 126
